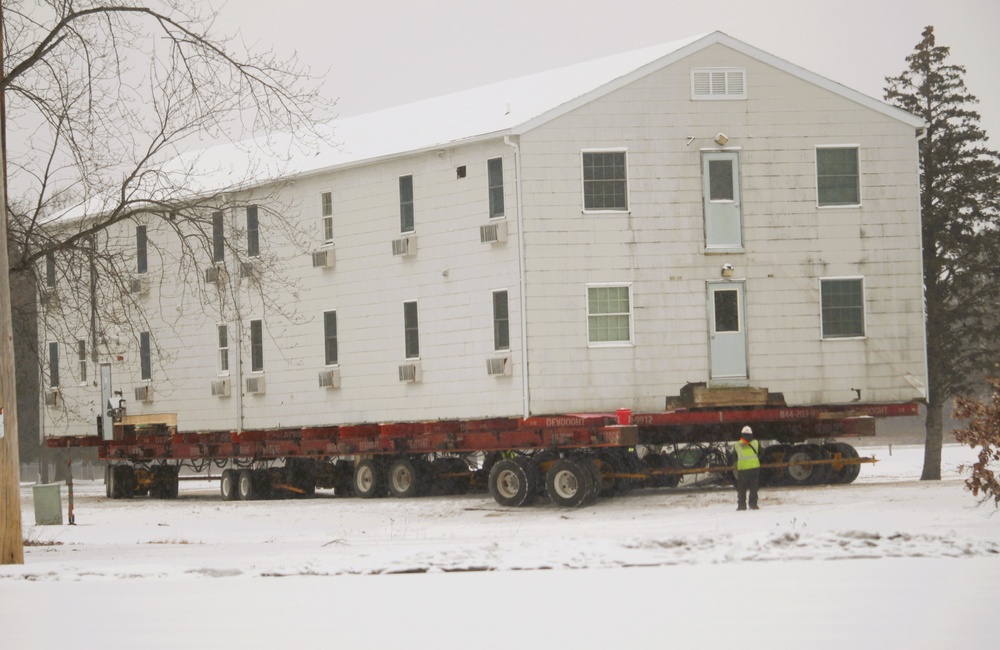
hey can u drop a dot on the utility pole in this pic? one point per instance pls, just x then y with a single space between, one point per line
11 540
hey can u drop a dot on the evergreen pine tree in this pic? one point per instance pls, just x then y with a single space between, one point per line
960 206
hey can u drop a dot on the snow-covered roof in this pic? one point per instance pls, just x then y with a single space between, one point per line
505 108
508 107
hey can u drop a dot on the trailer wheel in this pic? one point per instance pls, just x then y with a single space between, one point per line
122 482
107 480
246 486
842 474
770 476
405 478
511 482
570 483
804 474
369 479
609 463
229 485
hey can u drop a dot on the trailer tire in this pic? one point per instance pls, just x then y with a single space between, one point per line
570 483
804 474
369 478
846 473
229 485
609 463
246 486
511 482
406 478
772 476
107 481
122 482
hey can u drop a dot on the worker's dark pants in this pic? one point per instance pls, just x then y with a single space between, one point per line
747 480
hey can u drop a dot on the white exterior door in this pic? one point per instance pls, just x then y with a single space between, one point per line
721 189
727 332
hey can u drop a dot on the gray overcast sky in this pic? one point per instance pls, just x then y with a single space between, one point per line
381 53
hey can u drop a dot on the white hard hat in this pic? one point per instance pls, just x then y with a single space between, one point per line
747 430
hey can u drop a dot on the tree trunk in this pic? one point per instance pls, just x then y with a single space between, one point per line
934 427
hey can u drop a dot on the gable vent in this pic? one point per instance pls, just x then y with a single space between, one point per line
718 83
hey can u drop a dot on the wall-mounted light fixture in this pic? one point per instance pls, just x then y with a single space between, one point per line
727 270
721 139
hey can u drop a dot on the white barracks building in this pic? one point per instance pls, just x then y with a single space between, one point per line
579 240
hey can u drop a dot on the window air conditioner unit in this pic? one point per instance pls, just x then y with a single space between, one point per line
493 233
139 286
323 259
498 366
410 372
329 378
144 393
212 275
255 385
249 269
52 397
220 388
404 246
49 297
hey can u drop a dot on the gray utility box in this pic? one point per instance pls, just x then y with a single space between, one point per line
48 504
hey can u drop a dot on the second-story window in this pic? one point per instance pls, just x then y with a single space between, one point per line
837 179
605 182
256 346
140 249
326 214
253 232
494 173
406 223
218 238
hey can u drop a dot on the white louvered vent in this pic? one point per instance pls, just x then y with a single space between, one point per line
409 372
220 388
323 259
497 366
718 83
255 385
493 233
329 378
404 246
144 393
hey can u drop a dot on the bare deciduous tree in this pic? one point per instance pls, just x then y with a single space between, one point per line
106 101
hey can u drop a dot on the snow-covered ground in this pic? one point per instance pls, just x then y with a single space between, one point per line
918 566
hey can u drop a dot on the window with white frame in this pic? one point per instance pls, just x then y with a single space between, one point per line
843 307
838 181
223 334
145 356
81 356
411 330
406 222
326 215
256 346
141 264
501 321
53 364
494 173
253 232
218 238
605 180
718 83
330 338
609 314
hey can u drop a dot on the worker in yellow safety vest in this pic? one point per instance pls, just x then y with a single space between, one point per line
747 469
